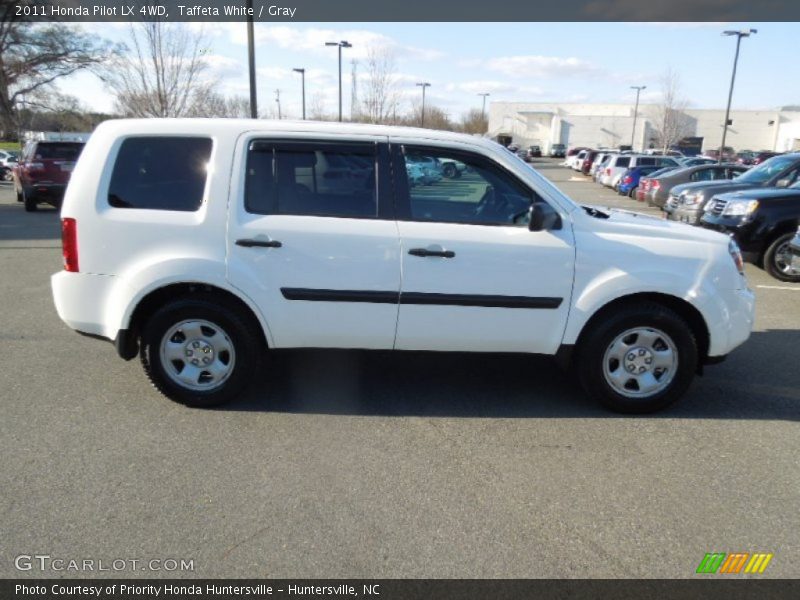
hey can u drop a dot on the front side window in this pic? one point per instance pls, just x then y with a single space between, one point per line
160 173
334 180
463 188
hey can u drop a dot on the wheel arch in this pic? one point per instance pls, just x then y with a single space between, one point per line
681 307
127 341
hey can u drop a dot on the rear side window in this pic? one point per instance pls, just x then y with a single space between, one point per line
623 161
57 151
646 161
330 180
160 173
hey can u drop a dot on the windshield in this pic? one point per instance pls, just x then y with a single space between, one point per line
766 170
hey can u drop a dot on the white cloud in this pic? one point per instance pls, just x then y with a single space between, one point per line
542 66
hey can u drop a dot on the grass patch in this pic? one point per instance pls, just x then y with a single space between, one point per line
10 146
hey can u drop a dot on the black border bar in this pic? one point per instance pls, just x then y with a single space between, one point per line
420 298
443 11
414 589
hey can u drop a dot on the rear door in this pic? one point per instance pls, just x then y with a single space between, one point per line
312 240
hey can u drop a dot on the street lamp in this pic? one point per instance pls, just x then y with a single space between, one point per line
303 79
423 85
739 35
483 108
638 89
251 61
278 101
342 44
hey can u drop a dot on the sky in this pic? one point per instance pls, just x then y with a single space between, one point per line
514 62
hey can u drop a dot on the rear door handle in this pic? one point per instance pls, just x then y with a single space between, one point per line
425 252
259 243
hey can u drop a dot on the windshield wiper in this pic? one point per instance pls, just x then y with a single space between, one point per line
595 212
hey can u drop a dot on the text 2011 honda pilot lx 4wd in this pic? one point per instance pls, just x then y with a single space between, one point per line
198 244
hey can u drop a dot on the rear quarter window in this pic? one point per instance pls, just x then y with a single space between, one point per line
623 161
160 173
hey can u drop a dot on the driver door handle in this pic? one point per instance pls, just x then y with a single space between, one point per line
426 252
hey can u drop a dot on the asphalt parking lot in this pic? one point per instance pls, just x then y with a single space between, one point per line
354 464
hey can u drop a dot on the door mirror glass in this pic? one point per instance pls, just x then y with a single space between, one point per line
542 217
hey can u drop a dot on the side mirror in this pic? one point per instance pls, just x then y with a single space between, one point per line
543 217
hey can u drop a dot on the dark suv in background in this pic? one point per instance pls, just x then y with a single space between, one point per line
558 151
43 172
687 201
763 222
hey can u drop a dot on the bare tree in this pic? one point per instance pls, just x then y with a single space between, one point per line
670 121
161 74
380 90
474 121
33 56
316 108
215 104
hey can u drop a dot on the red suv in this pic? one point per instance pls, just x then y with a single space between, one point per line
43 172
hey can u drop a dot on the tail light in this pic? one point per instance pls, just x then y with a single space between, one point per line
627 179
656 184
69 244
608 171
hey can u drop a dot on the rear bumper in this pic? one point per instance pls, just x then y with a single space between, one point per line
81 301
45 192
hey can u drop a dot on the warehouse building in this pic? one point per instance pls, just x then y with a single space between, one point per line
611 125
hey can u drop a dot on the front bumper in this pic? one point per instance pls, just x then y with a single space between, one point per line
686 215
734 317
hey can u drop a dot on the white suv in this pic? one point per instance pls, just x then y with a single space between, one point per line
198 244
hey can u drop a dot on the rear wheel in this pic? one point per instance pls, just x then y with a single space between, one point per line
632 193
449 170
639 359
199 353
30 203
778 260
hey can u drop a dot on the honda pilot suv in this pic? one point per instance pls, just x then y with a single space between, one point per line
199 244
43 172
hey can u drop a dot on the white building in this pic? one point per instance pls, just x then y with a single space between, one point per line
611 125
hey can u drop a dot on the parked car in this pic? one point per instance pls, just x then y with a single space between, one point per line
629 182
575 162
558 151
728 154
533 152
41 176
688 201
745 157
645 182
659 189
588 160
693 161
197 244
762 156
599 162
763 221
8 158
619 163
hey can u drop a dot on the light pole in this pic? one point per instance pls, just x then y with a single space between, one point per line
483 107
739 35
423 85
251 59
278 101
342 44
303 88
638 89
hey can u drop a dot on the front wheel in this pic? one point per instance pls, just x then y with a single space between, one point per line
778 260
638 360
199 353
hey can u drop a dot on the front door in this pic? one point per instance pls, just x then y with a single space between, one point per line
313 242
474 277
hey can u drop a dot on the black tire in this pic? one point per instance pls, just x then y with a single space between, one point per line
30 203
19 196
594 343
774 262
632 193
449 170
240 330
